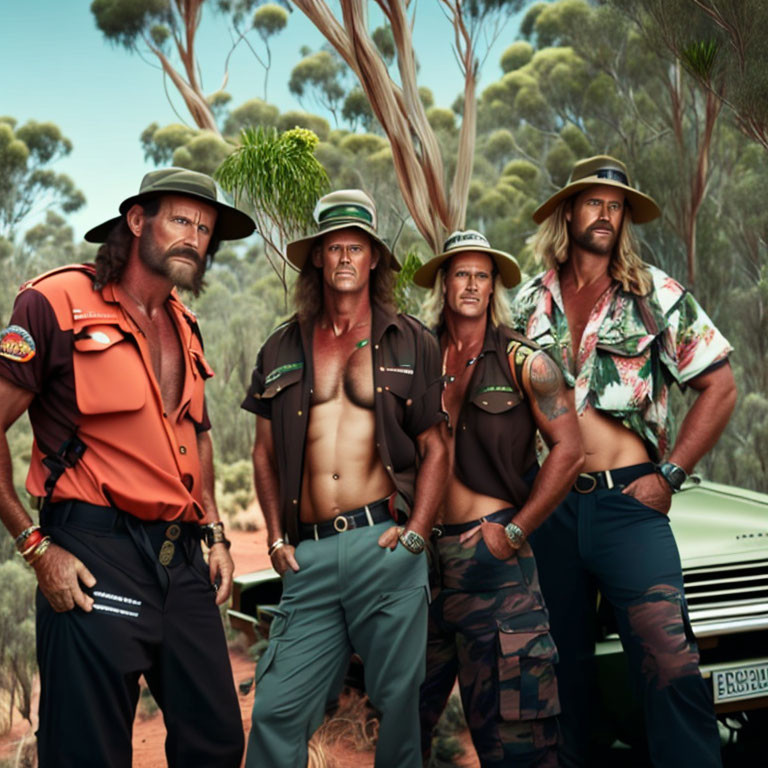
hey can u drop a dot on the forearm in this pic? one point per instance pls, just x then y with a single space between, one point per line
12 512
207 474
705 420
553 481
430 482
268 491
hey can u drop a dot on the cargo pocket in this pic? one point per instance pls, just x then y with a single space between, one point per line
276 631
527 683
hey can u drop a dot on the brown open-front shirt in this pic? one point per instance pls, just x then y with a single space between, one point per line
495 430
407 385
91 373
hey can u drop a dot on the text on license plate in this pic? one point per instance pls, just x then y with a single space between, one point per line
747 682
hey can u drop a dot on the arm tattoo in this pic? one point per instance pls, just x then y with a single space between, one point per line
547 386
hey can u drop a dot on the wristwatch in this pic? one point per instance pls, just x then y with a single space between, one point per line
515 534
673 474
213 533
412 541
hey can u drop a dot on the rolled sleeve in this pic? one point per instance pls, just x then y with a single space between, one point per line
697 343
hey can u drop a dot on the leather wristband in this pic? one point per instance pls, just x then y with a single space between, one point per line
213 533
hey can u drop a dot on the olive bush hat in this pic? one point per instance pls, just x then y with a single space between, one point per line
606 171
231 224
340 210
469 240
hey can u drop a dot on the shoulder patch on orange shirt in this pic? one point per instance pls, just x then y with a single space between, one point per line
16 344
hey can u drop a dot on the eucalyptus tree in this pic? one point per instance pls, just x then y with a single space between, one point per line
435 208
27 181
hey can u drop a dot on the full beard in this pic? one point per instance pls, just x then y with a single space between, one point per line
587 240
182 275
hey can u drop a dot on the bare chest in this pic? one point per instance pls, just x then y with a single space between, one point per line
166 356
343 369
579 306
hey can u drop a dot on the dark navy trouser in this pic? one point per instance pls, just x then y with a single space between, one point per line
609 541
147 619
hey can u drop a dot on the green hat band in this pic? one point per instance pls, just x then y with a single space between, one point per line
341 212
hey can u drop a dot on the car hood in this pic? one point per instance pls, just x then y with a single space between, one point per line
717 524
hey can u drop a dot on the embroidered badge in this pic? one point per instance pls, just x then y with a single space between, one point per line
16 344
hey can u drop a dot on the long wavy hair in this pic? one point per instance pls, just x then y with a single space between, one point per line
499 311
308 291
551 242
112 256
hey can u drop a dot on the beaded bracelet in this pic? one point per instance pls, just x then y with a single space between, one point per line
24 535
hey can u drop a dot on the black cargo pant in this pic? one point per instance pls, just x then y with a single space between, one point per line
150 619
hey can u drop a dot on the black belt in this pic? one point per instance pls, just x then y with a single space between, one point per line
502 516
587 482
370 514
165 537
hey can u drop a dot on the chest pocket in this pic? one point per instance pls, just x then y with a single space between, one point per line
496 399
281 378
109 374
396 380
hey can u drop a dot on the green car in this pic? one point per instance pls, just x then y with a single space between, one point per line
722 535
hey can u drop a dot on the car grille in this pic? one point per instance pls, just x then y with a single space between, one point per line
727 598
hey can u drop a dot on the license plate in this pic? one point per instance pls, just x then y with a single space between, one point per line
747 682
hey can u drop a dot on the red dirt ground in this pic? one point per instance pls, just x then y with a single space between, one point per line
249 553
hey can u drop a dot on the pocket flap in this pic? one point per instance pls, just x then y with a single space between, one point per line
529 644
97 338
496 399
398 380
284 376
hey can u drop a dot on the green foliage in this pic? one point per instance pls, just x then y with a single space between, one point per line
159 144
407 295
320 76
251 114
516 55
385 43
123 21
318 125
26 181
269 19
276 173
357 110
441 119
203 153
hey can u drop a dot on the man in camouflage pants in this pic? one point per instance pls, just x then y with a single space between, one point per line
488 622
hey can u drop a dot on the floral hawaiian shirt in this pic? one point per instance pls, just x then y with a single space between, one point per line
631 351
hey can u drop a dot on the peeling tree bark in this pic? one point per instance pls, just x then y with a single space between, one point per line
415 149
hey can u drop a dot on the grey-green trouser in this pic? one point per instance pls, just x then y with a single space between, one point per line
350 595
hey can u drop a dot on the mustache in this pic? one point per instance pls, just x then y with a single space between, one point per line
184 250
602 226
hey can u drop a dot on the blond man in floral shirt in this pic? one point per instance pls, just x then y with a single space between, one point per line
623 332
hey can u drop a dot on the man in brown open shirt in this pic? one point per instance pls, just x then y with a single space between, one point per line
348 432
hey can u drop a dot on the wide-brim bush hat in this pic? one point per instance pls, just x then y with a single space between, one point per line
341 209
231 223
469 240
606 171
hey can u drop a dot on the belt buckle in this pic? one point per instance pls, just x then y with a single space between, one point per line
587 490
340 524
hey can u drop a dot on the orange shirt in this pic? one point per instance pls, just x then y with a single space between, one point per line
138 458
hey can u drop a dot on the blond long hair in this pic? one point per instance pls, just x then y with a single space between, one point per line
432 308
551 242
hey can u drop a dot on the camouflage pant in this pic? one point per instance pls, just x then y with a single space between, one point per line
488 623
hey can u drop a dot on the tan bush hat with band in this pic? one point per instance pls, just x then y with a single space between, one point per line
605 171
469 240
231 224
340 210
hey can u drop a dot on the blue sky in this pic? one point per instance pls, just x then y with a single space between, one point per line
57 66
